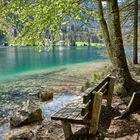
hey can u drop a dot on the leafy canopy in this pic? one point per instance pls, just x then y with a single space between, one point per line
32 18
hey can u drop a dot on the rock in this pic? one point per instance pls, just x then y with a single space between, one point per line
23 136
28 113
45 95
106 138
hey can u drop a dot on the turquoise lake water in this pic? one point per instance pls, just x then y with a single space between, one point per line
16 61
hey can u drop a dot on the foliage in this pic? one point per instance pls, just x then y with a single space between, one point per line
97 76
33 18
120 90
87 85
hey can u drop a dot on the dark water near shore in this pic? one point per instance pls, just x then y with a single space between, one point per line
16 61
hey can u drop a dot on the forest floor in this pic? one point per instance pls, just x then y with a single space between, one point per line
71 81
110 127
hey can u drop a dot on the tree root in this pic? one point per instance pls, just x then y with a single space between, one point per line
133 105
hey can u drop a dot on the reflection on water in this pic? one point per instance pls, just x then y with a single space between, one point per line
17 60
57 103
48 109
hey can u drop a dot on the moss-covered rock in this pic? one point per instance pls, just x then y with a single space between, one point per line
45 95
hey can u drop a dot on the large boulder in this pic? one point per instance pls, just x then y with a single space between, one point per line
28 113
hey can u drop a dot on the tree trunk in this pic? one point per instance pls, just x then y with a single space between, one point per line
88 40
117 43
114 43
135 38
105 30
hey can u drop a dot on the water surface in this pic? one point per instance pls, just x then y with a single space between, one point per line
15 61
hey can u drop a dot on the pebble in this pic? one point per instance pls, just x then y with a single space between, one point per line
106 138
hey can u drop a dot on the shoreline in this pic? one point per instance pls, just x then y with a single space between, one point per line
68 81
54 69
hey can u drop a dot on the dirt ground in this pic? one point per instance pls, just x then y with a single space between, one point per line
110 128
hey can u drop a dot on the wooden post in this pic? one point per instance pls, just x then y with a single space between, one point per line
67 129
110 91
96 110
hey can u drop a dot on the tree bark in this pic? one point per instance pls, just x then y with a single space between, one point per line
105 30
135 37
114 43
117 42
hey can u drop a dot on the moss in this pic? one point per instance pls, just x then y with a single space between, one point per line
87 85
45 96
138 71
120 90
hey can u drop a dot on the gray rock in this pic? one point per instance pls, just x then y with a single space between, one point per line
28 113
23 136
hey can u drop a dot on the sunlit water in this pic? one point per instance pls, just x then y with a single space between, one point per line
16 61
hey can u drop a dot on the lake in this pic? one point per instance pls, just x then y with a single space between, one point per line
17 61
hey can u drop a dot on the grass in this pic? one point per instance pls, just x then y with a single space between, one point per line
97 76
120 90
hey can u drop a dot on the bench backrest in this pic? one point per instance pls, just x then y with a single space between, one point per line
106 86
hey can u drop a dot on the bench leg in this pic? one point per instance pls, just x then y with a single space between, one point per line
67 129
96 110
110 91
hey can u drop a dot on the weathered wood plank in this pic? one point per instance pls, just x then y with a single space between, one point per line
57 115
97 88
88 94
75 113
110 91
86 117
67 129
86 108
104 87
96 112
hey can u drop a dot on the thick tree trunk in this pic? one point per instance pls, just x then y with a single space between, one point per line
117 42
113 40
135 38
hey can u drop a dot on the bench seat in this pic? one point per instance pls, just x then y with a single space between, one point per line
86 110
71 113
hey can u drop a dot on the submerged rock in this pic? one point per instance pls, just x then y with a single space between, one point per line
28 113
45 95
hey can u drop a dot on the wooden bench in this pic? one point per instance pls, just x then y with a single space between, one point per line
86 111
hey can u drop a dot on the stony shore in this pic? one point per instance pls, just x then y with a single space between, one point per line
67 80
